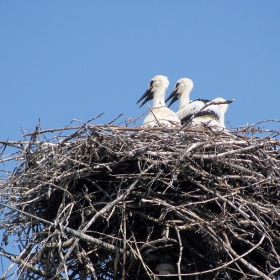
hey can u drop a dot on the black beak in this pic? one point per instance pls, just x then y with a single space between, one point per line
174 95
230 101
148 95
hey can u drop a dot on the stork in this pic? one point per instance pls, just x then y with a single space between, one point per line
182 92
160 114
213 115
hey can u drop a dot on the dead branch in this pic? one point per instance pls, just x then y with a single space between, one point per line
112 202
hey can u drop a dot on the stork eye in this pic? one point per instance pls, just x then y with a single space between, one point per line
151 83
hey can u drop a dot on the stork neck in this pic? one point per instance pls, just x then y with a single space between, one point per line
222 119
158 100
184 100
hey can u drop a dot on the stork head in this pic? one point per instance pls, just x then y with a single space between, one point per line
182 88
222 104
158 84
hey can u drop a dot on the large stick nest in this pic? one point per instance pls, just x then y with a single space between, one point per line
110 203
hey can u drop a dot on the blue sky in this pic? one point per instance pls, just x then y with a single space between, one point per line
65 60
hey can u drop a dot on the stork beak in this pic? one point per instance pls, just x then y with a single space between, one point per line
148 95
174 95
230 101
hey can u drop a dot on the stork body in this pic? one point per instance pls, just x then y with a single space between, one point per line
212 116
192 108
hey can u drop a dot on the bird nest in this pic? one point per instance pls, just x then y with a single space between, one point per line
110 202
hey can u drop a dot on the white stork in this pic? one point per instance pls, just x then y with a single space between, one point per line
160 115
182 92
213 115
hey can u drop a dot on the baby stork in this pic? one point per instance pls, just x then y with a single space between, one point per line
160 114
182 92
213 115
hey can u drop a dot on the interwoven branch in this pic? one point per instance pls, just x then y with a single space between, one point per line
109 202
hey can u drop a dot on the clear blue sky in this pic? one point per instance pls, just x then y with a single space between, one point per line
64 60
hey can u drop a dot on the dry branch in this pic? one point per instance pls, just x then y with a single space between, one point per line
111 202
